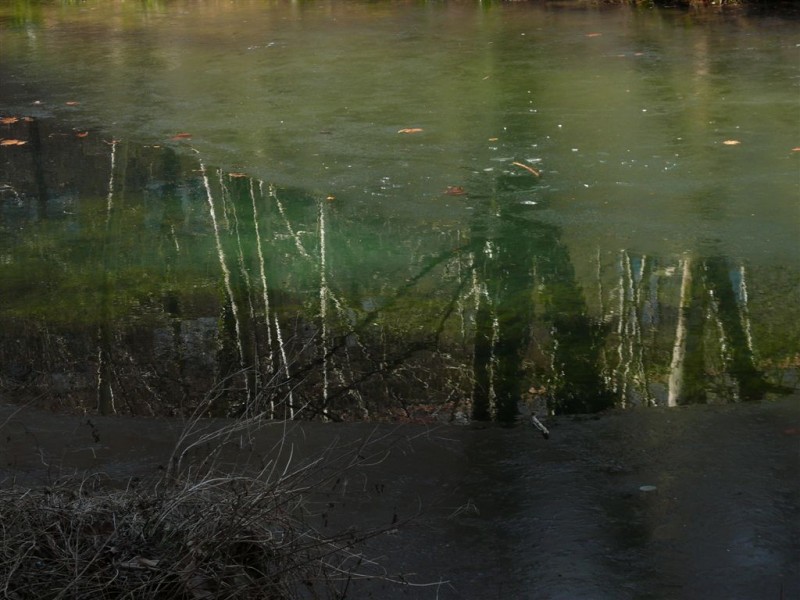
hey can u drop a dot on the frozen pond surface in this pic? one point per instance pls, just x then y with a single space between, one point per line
411 209
692 502
423 212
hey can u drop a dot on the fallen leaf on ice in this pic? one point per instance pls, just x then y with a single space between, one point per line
455 190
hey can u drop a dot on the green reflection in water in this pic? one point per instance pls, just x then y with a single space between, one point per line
143 274
394 297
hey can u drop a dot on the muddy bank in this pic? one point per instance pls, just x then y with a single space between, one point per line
694 502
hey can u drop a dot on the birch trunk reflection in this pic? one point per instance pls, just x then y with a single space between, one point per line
105 372
712 329
679 348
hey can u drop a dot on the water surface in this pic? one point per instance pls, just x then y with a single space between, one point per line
397 210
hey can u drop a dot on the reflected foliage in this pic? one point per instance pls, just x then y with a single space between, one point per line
138 279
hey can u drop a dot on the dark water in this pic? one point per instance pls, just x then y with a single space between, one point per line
396 210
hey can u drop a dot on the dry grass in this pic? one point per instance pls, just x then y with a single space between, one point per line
223 538
204 529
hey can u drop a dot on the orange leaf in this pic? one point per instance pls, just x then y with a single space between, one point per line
455 190
12 143
410 130
593 34
8 120
72 103
237 175
731 142
796 149
82 134
182 136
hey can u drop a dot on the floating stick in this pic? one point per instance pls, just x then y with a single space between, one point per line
540 426
530 170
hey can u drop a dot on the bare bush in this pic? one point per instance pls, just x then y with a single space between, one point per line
207 527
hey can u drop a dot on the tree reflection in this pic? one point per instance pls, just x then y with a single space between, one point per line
292 305
722 278
713 321
523 266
